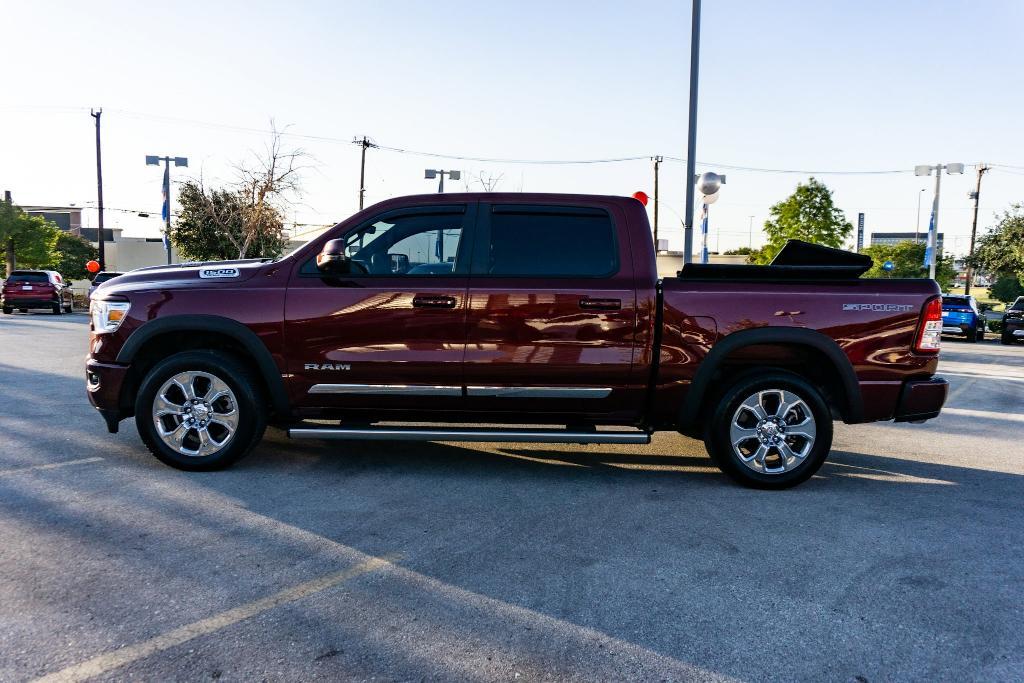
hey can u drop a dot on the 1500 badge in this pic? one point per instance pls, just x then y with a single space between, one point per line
211 273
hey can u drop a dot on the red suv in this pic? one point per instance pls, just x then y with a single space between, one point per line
26 289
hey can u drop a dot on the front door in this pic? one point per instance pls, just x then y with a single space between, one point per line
391 332
552 314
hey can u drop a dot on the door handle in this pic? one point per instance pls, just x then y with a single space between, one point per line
432 301
600 304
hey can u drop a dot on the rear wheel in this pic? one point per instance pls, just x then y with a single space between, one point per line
772 431
8 310
973 335
69 307
56 308
200 410
1006 339
23 310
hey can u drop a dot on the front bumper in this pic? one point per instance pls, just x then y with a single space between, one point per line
104 383
921 400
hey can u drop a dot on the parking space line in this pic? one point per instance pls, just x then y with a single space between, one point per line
987 414
996 378
48 466
105 663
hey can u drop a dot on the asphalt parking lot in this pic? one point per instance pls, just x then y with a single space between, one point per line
902 560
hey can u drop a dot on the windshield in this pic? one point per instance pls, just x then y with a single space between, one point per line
103 277
1018 305
27 277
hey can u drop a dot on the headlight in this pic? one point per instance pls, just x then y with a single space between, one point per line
107 315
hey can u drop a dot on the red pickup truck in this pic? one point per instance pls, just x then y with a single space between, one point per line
429 317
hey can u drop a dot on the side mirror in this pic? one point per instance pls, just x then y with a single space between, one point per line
332 259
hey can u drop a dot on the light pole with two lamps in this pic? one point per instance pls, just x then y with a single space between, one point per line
933 227
153 160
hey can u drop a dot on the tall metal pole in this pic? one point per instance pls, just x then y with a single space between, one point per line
691 141
974 228
440 185
167 218
9 247
750 237
657 164
99 190
933 231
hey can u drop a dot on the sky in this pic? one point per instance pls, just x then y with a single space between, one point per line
792 85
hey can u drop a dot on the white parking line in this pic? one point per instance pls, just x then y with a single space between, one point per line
112 660
48 466
987 414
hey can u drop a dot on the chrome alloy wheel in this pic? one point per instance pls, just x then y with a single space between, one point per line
772 431
195 413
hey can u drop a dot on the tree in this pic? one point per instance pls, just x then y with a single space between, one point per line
908 261
742 251
1001 251
1007 288
243 220
28 240
71 254
808 214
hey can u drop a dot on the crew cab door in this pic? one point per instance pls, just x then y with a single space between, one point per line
552 313
391 332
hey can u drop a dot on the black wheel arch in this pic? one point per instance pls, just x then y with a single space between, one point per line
702 385
247 339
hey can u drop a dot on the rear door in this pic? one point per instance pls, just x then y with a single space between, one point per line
392 333
552 312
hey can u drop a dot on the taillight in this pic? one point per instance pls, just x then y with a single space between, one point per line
929 330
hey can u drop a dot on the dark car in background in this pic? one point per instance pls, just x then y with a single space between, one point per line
961 316
1013 322
99 280
26 289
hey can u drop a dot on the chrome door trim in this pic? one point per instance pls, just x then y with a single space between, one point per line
385 390
539 392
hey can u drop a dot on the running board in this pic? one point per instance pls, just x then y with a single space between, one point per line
467 434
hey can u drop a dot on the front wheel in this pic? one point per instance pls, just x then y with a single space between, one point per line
770 432
200 410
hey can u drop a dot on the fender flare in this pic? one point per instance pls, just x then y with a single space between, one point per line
772 335
256 349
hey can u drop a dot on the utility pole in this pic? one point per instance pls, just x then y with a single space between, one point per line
750 238
96 113
691 140
657 165
9 247
364 143
974 227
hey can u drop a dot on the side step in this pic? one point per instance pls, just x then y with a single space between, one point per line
467 434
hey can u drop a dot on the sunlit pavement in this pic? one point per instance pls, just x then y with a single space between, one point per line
902 560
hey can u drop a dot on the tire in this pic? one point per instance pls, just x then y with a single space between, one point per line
70 307
8 310
972 336
981 332
1006 339
23 310
56 308
207 372
807 410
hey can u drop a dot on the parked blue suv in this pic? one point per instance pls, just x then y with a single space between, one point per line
960 316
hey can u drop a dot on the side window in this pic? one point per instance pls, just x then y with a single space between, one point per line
551 242
414 245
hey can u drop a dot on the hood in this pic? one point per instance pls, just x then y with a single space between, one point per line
178 275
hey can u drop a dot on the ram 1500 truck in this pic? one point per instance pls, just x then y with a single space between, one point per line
437 317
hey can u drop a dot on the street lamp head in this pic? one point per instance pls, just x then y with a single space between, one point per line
954 168
429 174
709 183
152 160
454 175
180 161
923 170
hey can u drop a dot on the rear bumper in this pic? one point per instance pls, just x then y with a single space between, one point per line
103 383
958 328
921 400
29 302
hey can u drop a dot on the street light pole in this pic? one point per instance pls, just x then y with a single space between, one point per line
933 227
691 140
657 165
976 195
750 238
152 160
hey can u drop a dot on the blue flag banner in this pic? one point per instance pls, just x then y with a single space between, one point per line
930 241
165 212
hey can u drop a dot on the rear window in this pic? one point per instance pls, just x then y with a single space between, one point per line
17 278
955 301
551 242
